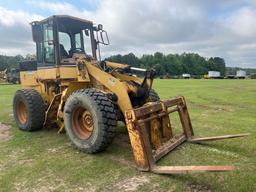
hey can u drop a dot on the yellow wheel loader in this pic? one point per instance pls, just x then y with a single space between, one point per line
68 86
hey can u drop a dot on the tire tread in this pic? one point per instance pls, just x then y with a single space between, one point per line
109 119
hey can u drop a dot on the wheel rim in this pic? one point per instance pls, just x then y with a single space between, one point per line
22 112
82 123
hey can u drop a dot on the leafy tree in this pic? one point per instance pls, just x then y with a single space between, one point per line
173 64
130 59
219 64
7 62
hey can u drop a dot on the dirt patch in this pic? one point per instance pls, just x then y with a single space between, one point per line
215 108
50 182
198 188
4 132
26 162
132 184
56 149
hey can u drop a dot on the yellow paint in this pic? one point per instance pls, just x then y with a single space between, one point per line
113 84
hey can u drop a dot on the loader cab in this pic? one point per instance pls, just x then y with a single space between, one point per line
59 38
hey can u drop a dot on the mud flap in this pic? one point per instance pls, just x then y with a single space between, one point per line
151 135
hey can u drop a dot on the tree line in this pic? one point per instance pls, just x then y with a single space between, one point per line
169 64
173 64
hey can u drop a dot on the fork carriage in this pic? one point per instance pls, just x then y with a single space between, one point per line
151 134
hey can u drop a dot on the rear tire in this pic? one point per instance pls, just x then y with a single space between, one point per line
154 95
28 110
90 120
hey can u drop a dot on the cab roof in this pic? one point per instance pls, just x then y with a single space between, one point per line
63 18
66 23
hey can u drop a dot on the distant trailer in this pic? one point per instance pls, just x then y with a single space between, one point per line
186 76
240 74
214 74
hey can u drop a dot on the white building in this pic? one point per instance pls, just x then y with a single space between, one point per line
213 74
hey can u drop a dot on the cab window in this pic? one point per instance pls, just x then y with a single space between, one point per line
65 44
87 41
48 45
78 43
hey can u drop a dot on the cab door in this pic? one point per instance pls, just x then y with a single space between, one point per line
46 47
46 58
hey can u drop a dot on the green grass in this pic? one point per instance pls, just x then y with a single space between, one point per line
46 161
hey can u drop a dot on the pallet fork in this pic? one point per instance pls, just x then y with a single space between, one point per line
151 135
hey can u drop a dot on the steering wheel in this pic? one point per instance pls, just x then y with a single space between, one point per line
76 50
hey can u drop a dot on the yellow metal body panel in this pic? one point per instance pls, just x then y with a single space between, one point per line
63 72
28 78
42 80
31 78
68 72
47 73
73 86
116 65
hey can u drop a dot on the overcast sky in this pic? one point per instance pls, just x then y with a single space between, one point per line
225 28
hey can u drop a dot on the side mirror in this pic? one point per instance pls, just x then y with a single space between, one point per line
100 27
104 37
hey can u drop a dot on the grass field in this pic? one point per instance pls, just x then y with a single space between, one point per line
46 161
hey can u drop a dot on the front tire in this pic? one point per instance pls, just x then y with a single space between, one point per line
90 120
28 110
